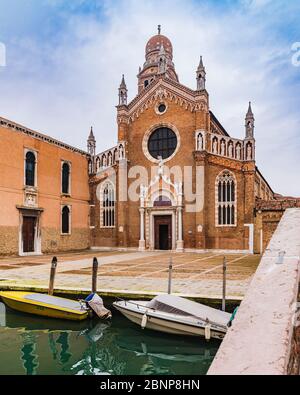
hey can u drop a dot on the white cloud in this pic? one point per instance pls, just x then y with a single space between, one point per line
64 89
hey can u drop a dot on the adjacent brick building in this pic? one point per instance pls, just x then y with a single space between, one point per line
44 193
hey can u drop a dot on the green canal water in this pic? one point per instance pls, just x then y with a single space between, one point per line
33 346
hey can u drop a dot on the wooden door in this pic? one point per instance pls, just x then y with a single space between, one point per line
28 233
163 232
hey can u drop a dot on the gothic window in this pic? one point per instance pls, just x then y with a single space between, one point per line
108 205
226 199
30 169
65 220
162 143
146 83
65 178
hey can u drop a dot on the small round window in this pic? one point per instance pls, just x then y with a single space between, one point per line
162 108
162 143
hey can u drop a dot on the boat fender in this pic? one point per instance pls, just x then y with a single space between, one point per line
144 321
207 332
232 317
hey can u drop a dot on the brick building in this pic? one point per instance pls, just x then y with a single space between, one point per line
198 185
175 180
44 193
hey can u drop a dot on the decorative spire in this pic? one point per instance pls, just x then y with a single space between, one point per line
159 29
162 50
249 123
123 92
249 113
201 67
201 76
91 136
162 62
123 83
91 143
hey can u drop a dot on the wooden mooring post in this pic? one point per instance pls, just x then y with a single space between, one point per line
170 276
52 275
94 277
224 284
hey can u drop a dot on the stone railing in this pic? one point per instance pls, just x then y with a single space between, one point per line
265 338
224 146
109 157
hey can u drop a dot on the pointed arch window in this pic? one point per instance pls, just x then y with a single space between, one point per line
65 178
30 169
65 220
226 199
108 206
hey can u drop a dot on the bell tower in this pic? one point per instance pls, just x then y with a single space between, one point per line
159 61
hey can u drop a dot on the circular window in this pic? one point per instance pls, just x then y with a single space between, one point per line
162 143
162 108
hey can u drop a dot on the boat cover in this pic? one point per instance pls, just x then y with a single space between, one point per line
56 302
184 307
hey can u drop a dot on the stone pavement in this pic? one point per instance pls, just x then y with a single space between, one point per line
137 272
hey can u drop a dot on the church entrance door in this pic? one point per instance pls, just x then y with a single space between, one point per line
163 232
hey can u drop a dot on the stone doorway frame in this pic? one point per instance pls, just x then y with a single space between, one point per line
159 213
36 213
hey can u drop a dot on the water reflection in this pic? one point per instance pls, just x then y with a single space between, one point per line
47 346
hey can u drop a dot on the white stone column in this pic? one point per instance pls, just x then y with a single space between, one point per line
142 244
179 243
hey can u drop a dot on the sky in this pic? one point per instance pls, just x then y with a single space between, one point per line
65 60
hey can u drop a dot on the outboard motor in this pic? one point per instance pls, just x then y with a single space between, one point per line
95 303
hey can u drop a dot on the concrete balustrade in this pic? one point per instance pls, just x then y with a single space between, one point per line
264 338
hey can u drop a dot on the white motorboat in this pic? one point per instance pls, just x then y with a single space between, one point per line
176 315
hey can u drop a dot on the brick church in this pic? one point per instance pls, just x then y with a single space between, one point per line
176 179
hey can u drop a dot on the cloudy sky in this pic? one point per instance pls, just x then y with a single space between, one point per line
65 60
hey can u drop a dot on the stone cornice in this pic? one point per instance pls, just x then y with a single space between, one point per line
31 133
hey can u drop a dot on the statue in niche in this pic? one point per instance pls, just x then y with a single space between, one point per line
104 161
109 159
200 142
238 152
215 146
249 152
230 150
121 152
223 148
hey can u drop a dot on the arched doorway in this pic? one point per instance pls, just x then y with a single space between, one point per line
163 232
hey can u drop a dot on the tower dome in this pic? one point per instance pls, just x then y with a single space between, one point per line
159 61
156 42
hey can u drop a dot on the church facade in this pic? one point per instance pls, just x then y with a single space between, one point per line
197 185
175 180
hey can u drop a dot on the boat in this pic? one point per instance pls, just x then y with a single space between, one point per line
176 315
45 305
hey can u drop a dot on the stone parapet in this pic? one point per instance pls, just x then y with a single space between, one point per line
264 338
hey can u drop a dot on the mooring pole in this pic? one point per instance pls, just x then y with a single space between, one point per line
95 272
52 275
170 276
224 285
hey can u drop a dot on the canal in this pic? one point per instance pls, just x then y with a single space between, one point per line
31 346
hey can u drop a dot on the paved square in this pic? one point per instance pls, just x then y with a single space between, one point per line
193 273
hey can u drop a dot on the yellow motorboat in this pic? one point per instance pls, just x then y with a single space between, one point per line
45 305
